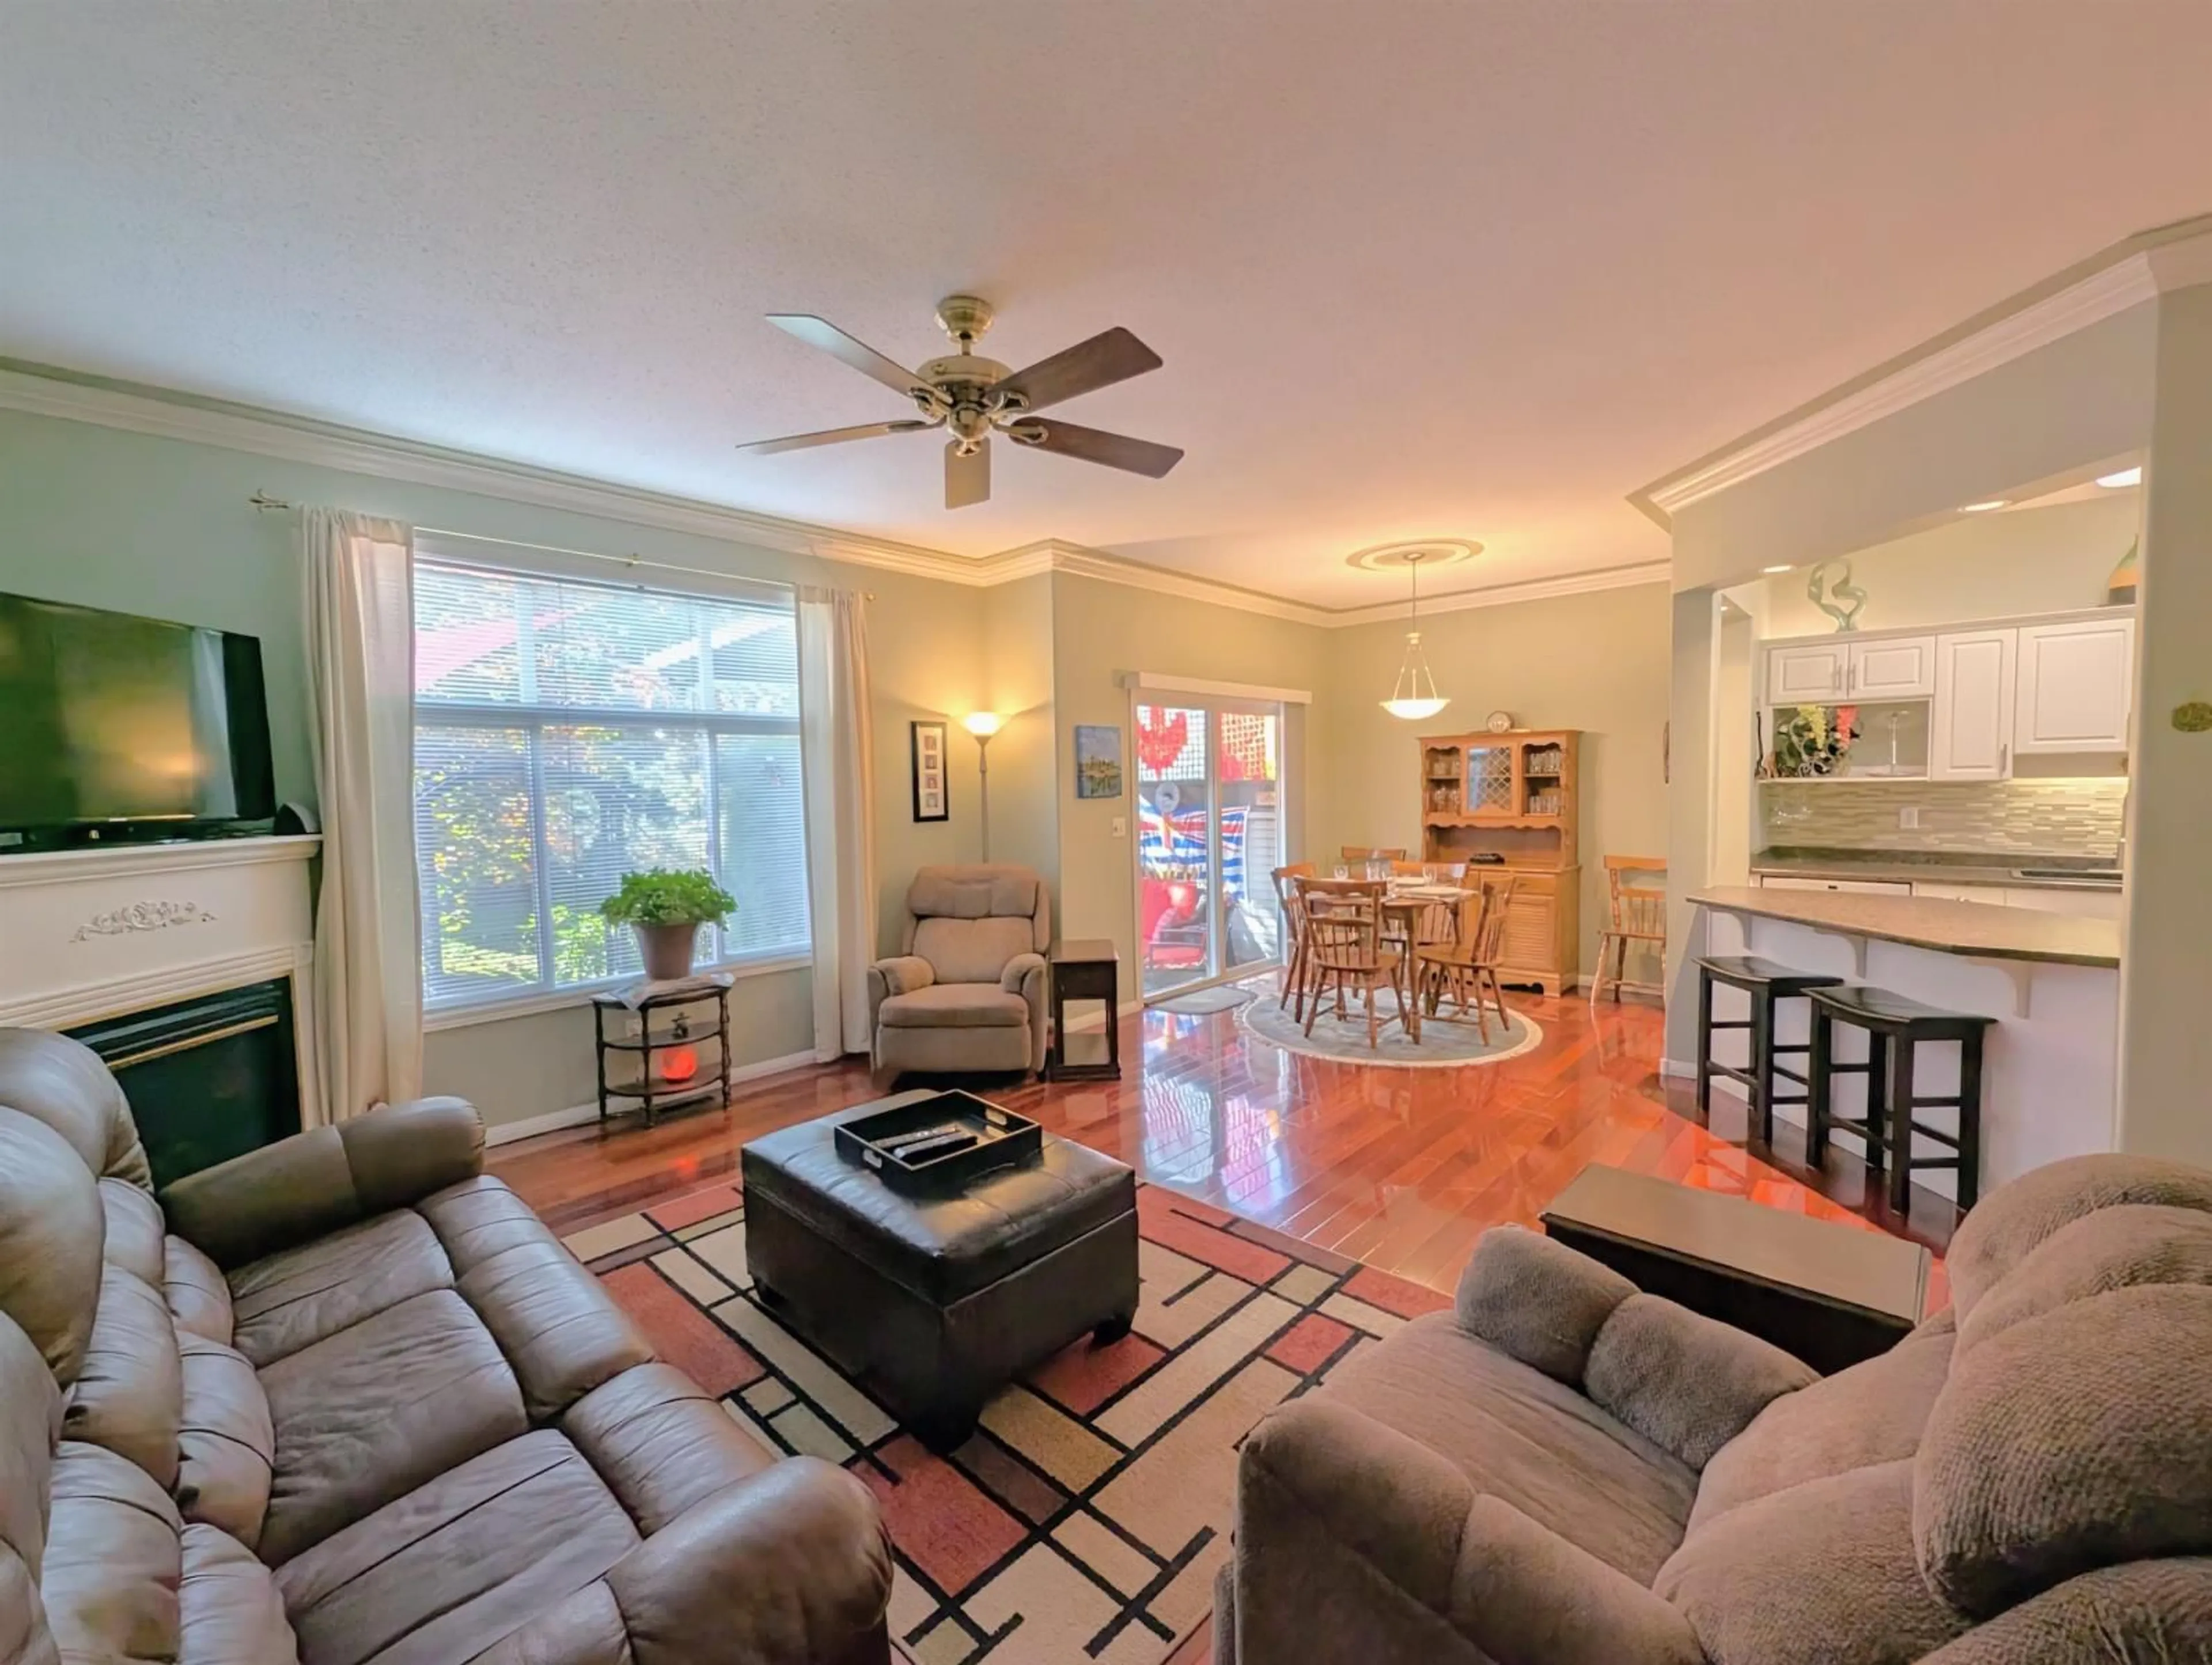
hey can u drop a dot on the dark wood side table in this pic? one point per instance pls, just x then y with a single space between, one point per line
1832 1294
1088 970
698 1009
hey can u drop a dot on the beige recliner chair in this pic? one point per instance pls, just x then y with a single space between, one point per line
967 989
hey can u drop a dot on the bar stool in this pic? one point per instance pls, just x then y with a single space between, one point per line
1895 1028
1766 984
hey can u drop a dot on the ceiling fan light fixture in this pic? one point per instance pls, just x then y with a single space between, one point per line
1414 696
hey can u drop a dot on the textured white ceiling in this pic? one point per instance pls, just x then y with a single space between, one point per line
1417 267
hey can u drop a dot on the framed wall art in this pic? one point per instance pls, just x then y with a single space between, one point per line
933 795
1098 760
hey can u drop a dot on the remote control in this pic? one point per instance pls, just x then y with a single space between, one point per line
943 1146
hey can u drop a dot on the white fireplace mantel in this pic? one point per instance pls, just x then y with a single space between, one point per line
93 933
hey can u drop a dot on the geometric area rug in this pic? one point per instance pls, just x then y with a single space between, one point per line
1084 1523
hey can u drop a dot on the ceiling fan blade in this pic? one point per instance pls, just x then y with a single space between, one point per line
820 332
967 479
1114 356
866 430
1093 445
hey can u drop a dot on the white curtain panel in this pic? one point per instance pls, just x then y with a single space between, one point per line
836 741
368 921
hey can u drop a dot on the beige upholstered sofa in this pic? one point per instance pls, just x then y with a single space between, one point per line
967 989
1565 1471
345 1400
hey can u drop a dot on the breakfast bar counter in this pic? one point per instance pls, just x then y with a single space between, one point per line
2050 981
1975 928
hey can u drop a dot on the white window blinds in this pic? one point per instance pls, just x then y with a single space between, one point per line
567 732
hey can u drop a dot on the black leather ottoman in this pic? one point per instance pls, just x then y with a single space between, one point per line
939 1302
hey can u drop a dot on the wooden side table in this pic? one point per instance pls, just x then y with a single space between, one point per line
682 1031
1088 970
1829 1292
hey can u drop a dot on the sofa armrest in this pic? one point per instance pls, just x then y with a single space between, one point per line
1537 1300
1025 975
791 1565
902 974
1328 1500
1524 1596
324 1179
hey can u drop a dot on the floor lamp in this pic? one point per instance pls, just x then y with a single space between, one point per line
984 725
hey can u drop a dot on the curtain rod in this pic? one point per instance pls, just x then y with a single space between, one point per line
262 499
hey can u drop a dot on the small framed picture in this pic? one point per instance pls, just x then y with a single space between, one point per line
1098 760
932 797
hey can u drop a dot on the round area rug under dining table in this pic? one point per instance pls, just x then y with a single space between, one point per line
1446 1042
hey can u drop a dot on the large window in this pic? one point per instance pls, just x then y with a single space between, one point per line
566 733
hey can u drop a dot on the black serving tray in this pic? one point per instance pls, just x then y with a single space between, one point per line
1004 1139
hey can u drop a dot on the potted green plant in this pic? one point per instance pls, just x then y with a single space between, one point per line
666 908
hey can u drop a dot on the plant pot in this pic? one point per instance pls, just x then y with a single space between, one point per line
666 950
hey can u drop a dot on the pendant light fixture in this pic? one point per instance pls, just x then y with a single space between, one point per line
1414 696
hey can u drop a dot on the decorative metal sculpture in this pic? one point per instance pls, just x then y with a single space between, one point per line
1843 589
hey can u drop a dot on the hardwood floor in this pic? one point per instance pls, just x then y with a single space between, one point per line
1400 1168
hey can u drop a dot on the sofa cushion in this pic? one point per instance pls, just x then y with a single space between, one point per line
1683 1381
298 1297
2158 1613
1820 1572
129 1393
2069 1441
50 1232
660 1442
2008 1224
134 1230
438 1575
1870 1413
479 1218
970 951
227 1443
560 1330
975 892
232 1613
2115 1248
61 1082
113 1559
367 1415
199 1298
955 1005
1520 1435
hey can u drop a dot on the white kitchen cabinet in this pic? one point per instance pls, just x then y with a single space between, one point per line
1891 668
1970 733
1867 886
1809 675
1993 895
2081 904
2075 683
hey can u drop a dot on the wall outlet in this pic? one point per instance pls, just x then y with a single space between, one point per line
1908 819
1121 826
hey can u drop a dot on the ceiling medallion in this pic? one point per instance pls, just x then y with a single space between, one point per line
1429 552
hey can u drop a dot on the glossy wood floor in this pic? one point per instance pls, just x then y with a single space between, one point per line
1400 1168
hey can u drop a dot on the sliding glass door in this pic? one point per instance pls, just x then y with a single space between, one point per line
1210 819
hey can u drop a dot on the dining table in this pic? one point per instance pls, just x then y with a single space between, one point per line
1404 904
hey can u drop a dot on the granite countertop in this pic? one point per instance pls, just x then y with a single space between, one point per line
1948 866
1972 928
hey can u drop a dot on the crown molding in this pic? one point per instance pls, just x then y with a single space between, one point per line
47 392
39 390
2130 273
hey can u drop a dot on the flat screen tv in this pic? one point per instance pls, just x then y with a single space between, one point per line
115 728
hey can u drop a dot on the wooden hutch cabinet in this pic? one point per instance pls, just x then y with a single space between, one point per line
1513 799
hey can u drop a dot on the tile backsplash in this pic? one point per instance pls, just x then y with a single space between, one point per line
2079 818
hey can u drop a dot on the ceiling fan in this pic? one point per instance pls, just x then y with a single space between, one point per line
972 397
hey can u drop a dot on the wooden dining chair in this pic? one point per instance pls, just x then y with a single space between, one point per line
1292 906
1362 853
1466 968
1345 948
1636 912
